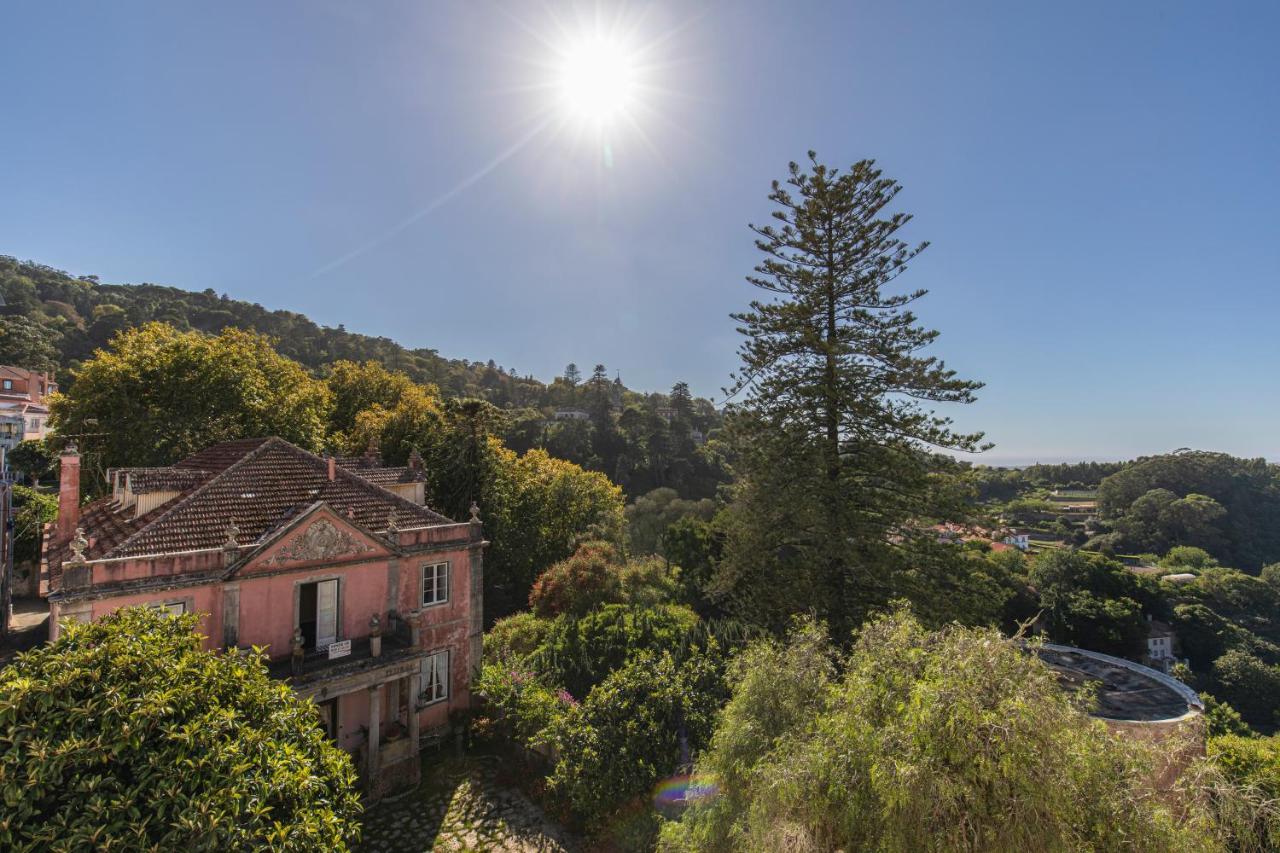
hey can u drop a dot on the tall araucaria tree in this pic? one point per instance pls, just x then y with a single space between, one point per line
834 431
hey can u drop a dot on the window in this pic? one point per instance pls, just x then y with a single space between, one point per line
318 613
172 608
435 584
8 384
435 678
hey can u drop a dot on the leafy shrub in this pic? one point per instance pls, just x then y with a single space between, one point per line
636 727
579 653
948 740
1251 686
526 705
515 637
595 575
1252 764
125 734
579 583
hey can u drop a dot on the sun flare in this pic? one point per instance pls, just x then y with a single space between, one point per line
598 79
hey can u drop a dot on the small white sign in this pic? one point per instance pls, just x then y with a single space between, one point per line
340 649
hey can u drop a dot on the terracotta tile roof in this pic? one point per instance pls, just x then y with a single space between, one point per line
389 476
105 524
144 480
222 456
259 484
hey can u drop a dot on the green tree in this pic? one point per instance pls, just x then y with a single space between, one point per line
579 653
693 545
357 386
1090 602
1245 533
33 458
1249 685
26 343
32 510
125 734
649 516
636 727
833 422
536 510
157 395
953 740
1188 557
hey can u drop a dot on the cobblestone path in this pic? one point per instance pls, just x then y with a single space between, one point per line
459 807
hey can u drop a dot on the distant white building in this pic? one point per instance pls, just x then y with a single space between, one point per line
1179 577
697 436
666 413
1019 539
572 415
1160 643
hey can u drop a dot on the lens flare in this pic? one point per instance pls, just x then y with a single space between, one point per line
684 790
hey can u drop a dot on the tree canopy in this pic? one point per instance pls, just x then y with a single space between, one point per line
952 740
832 433
125 734
156 395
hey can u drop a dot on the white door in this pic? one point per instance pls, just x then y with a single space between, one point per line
326 613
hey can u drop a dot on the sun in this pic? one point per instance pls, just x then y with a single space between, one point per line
598 78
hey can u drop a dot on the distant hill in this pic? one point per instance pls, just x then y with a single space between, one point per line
55 320
51 320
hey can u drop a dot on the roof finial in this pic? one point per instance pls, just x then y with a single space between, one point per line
78 544
232 533
392 529
475 513
372 452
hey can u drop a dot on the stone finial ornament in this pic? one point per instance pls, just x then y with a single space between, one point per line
475 513
78 544
375 626
232 533
392 527
299 649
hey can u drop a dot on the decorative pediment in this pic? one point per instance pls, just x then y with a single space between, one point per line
322 538
321 541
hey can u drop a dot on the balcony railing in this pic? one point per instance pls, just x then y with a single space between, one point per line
317 664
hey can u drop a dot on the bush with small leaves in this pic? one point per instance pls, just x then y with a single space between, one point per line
124 734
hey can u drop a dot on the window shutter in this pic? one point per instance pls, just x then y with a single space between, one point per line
326 613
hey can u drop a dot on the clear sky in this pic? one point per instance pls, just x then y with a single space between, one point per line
1100 182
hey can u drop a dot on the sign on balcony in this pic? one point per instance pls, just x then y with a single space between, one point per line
340 649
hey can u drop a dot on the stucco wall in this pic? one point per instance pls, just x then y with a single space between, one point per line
267 603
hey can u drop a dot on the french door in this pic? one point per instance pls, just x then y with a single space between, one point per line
326 613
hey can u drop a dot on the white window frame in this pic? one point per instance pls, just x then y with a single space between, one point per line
434 677
438 576
166 608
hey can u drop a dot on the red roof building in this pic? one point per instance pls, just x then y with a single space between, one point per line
367 601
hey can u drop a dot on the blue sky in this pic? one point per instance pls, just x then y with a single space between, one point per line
1100 183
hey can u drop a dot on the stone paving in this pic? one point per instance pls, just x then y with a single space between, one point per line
460 807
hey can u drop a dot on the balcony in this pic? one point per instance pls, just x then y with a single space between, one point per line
318 667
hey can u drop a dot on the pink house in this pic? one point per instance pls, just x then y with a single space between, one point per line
368 602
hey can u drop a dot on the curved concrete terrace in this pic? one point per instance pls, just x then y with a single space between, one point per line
1126 691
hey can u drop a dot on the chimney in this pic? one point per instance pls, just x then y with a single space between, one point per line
333 468
69 492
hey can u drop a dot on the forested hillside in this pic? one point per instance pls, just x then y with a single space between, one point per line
54 321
